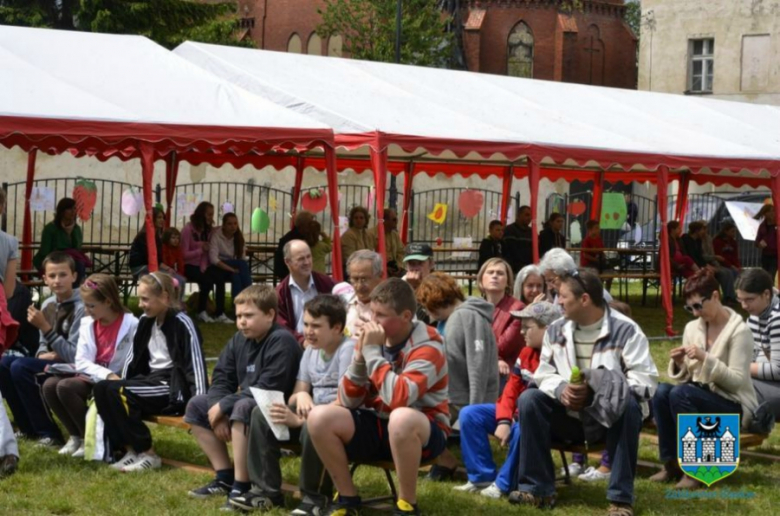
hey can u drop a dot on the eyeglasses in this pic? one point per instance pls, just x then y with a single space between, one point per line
696 307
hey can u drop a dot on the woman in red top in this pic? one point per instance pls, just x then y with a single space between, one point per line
173 255
726 247
593 259
495 281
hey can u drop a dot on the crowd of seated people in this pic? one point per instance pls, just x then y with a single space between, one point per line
375 369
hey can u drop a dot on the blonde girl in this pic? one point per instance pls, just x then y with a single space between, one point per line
163 370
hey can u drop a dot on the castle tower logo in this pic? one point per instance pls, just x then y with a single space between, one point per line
708 445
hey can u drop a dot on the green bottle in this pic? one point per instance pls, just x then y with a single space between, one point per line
576 376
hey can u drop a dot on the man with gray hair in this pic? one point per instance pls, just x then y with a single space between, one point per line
301 226
557 263
302 285
364 269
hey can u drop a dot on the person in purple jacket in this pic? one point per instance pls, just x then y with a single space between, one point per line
195 245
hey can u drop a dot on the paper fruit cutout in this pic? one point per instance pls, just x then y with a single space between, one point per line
314 200
575 232
343 224
132 201
85 195
439 241
227 207
576 208
371 199
470 203
613 211
272 204
439 213
260 221
159 206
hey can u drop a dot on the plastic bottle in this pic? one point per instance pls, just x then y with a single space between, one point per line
576 376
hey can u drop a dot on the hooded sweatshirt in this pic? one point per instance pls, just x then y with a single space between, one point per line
472 354
65 321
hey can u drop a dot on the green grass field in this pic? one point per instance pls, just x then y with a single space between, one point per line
49 484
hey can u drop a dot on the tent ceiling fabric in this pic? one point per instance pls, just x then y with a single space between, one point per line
429 109
96 93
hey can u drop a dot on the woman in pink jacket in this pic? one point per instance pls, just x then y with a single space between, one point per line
195 245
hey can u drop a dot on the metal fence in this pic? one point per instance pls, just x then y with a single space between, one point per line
349 197
107 224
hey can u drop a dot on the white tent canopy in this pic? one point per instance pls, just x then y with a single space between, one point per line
431 104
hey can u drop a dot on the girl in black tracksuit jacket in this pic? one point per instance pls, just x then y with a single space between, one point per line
163 371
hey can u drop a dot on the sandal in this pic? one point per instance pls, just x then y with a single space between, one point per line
620 509
524 498
440 473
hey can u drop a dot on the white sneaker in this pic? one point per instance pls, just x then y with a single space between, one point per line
71 446
492 491
224 319
575 469
205 317
79 454
143 462
593 475
470 487
129 458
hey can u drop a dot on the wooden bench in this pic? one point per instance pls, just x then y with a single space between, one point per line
645 277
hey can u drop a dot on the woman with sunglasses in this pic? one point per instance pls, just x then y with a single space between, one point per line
711 370
759 299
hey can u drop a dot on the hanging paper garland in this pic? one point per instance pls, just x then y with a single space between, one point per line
314 200
132 201
85 195
439 213
470 203
260 221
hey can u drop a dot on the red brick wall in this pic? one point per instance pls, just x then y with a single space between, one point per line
282 19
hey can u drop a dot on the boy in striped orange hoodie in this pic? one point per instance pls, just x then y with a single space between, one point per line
394 401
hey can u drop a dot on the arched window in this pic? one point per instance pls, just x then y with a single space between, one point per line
335 44
315 45
520 51
294 44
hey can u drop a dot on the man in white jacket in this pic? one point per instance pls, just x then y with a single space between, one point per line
591 336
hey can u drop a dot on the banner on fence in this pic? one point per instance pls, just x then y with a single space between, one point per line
42 199
742 213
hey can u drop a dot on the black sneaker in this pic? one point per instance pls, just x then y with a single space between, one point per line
309 509
342 509
403 508
254 501
8 465
213 488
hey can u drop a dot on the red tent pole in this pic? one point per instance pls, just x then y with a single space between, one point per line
147 168
299 166
171 176
27 254
776 202
379 168
665 259
408 179
682 197
506 192
598 195
333 201
534 176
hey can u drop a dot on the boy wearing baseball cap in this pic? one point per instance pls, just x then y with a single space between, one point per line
419 264
477 422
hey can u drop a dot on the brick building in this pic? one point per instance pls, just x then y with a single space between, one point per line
525 38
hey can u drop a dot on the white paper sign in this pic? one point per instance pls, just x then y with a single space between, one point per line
42 199
462 243
742 213
265 399
186 202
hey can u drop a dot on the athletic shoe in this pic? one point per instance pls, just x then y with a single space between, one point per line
21 435
224 319
403 508
593 475
575 469
48 442
71 446
215 487
524 498
205 317
492 491
143 462
339 509
128 459
79 454
8 465
254 501
308 509
470 487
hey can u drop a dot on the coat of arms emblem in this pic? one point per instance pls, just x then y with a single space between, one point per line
708 445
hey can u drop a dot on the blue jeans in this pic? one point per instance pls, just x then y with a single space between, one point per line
22 391
477 422
240 280
671 400
543 419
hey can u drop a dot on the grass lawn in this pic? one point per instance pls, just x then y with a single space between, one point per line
49 484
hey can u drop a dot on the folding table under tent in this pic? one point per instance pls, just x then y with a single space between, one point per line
127 97
526 127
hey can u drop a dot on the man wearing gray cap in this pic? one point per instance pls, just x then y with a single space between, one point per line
419 264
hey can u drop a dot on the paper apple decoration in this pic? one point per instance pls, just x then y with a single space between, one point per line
314 200
470 203
227 207
85 195
576 208
132 201
260 221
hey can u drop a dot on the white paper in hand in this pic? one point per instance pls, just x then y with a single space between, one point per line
265 399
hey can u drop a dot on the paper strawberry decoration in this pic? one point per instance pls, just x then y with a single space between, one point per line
85 195
470 203
314 200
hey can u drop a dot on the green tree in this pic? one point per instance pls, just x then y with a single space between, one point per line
168 22
634 16
368 30
38 13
